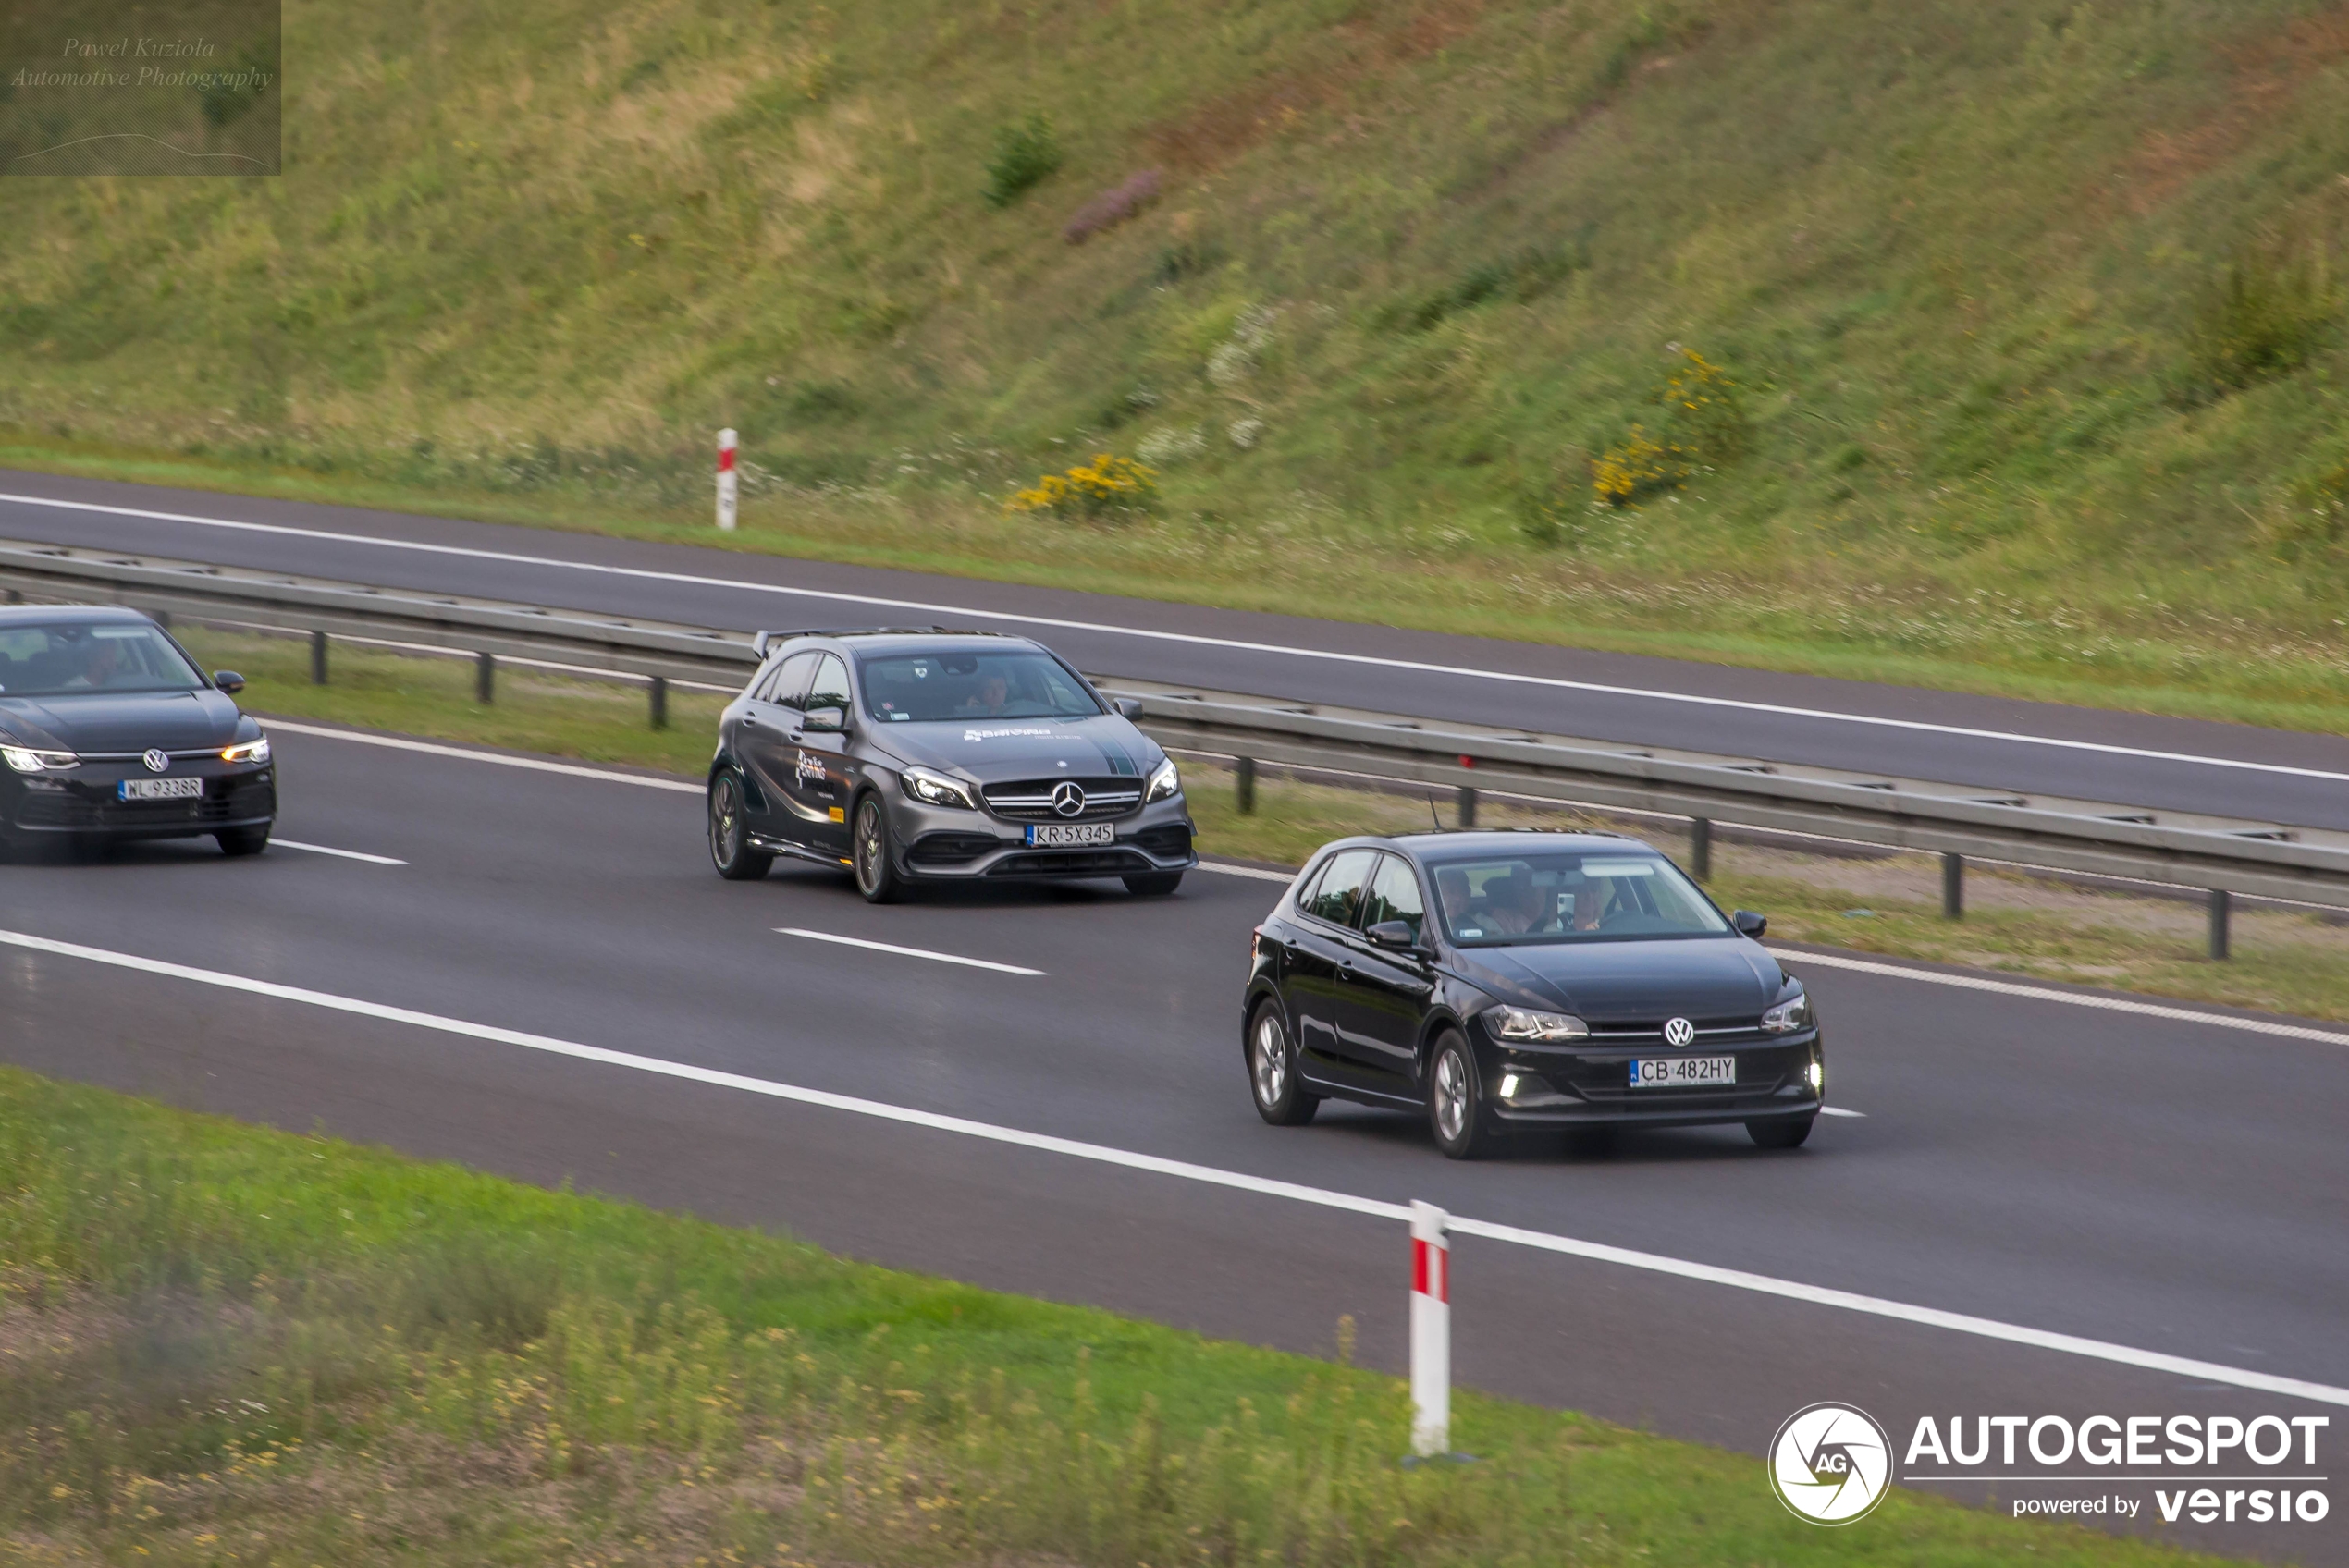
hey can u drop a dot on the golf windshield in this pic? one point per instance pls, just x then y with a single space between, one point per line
965 684
70 660
1570 896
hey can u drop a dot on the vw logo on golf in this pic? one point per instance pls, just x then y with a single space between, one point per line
1830 1463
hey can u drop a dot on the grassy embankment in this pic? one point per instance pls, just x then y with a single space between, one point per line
231 1346
2283 962
2038 361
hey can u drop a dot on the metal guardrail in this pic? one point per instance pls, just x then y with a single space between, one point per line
2219 855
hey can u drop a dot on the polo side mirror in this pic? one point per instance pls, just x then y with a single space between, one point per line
1394 934
228 680
1749 923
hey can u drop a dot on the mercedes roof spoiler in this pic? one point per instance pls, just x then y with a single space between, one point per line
761 641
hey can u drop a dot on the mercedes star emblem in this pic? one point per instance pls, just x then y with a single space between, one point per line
1069 798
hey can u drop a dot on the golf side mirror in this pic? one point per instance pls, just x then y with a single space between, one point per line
228 680
1396 934
827 721
1129 707
1748 923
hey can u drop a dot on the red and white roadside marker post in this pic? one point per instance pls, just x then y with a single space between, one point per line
726 481
1431 1331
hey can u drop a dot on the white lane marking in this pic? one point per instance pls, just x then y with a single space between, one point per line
904 952
535 765
338 854
2070 998
1193 638
1764 1284
1256 871
1838 1110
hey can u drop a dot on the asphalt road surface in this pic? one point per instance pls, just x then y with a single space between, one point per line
2171 1185
2033 748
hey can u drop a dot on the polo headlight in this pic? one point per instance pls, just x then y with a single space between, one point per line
1165 783
1789 1016
937 790
24 760
248 751
1521 1023
1819 1075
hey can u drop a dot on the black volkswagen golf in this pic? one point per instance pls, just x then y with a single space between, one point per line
108 731
1512 981
913 757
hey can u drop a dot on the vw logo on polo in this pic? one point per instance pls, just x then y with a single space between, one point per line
156 761
1678 1030
1069 798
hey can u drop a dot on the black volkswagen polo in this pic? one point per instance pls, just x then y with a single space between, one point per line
108 731
1511 981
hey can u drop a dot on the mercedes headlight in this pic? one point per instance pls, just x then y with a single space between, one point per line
1789 1016
25 759
248 751
1164 782
937 790
1521 1023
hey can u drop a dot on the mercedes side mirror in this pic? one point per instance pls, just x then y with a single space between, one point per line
1749 923
228 680
1396 934
1129 707
826 721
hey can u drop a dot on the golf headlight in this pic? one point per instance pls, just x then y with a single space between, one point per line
937 790
248 751
1164 782
26 761
1789 1016
1520 1024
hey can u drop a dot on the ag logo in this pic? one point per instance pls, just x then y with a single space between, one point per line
1830 1463
1679 1032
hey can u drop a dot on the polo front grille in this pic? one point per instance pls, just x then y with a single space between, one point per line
1033 800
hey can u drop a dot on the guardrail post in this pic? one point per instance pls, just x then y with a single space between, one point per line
1430 1330
1468 805
1953 887
657 695
2221 906
318 659
485 679
1244 784
1701 848
16 596
163 619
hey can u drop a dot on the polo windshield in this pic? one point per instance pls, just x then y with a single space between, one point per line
959 685
1568 896
69 659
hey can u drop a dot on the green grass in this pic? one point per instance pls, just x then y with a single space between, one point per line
2042 388
229 1345
2284 962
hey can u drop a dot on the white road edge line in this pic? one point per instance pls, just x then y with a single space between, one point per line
1194 639
535 765
1826 960
2070 998
1227 869
904 952
338 854
1735 1279
1838 1110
